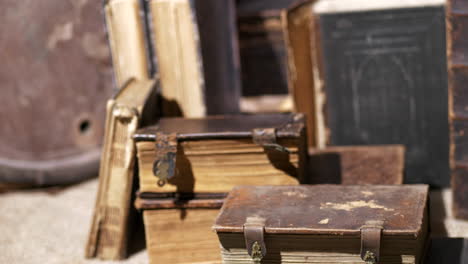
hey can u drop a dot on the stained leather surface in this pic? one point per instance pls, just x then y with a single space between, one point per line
288 125
325 209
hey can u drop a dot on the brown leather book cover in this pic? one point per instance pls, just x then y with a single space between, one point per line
457 52
56 78
214 154
334 223
382 164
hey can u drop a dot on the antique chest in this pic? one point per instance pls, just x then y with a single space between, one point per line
324 224
214 154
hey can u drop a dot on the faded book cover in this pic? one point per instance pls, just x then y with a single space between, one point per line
385 82
109 228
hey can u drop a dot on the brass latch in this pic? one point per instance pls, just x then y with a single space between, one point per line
266 137
254 240
371 235
164 166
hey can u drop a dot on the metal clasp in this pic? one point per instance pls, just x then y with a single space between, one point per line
164 166
266 137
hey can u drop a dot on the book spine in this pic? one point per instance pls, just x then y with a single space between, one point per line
127 40
108 234
216 21
457 54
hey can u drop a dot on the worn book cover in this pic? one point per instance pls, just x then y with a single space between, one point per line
379 77
133 106
324 224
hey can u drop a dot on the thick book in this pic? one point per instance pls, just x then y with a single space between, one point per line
133 106
357 165
195 48
179 230
214 154
55 82
324 224
126 33
379 77
457 51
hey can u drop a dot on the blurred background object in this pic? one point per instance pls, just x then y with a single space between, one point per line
56 77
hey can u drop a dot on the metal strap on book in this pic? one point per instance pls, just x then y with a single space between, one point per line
266 137
166 152
254 241
371 235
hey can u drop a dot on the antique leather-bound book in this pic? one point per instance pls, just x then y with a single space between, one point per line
324 224
195 50
127 40
457 51
178 230
132 107
213 154
357 165
366 78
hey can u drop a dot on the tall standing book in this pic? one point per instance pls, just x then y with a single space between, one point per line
133 106
374 72
127 40
196 54
457 51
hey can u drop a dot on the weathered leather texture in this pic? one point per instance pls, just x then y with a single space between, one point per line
382 88
326 209
234 126
56 78
457 51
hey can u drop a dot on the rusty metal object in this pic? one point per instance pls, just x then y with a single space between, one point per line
165 162
55 81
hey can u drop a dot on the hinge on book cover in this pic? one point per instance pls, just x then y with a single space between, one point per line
165 163
254 241
371 235
266 137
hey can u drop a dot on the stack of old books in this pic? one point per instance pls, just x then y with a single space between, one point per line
367 109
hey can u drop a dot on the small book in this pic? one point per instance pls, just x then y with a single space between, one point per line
361 72
132 107
127 40
178 230
324 224
383 164
457 54
214 154
195 46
